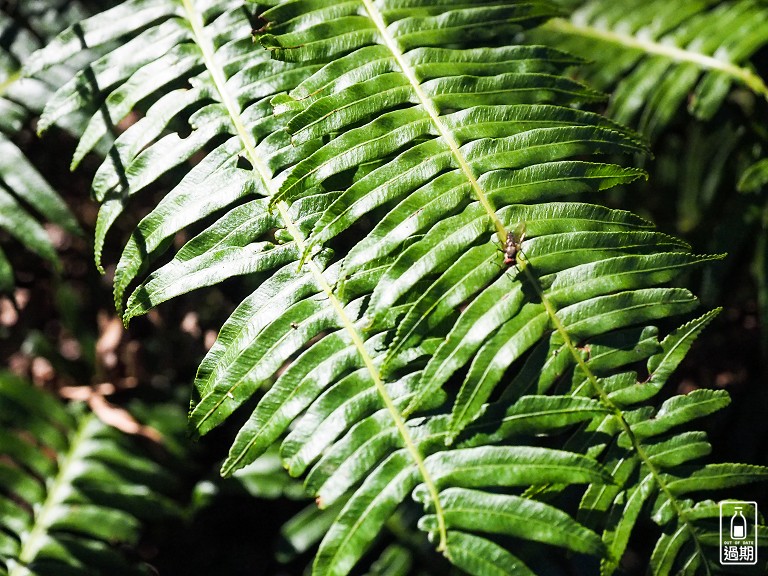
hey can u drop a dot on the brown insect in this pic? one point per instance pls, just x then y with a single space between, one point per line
513 244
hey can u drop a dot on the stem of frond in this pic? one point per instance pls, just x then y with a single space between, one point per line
617 412
261 170
397 417
31 545
434 115
742 74
217 74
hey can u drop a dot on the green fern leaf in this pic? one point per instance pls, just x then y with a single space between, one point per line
482 557
664 53
25 196
654 465
72 488
493 513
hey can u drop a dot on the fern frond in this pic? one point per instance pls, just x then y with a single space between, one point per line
72 488
225 103
519 153
665 56
654 463
25 196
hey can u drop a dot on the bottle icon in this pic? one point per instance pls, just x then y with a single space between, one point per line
738 525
